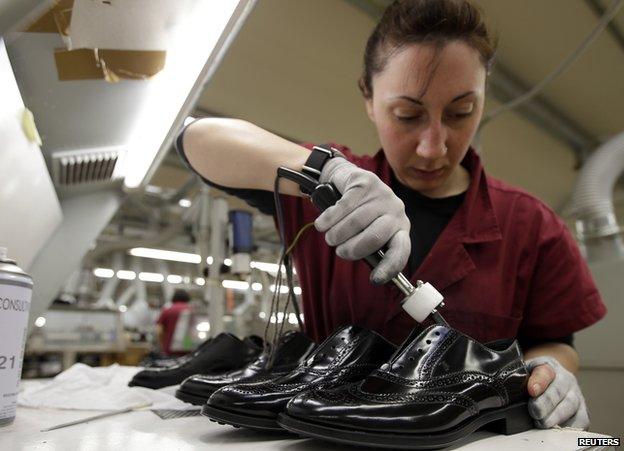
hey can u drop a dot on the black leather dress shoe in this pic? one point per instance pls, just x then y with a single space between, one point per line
291 350
224 352
349 355
169 362
438 388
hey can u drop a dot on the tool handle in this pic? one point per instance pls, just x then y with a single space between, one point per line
324 196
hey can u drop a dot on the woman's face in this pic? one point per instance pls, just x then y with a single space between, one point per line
426 105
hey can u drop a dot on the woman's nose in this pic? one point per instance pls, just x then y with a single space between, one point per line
432 142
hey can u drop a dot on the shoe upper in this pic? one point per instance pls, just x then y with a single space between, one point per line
291 349
223 352
348 355
170 362
435 381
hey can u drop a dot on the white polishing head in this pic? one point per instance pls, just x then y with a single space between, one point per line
422 302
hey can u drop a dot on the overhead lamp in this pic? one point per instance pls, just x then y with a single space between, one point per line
151 277
256 286
185 203
195 50
126 275
104 273
162 254
283 288
269 267
235 284
153 189
204 326
174 278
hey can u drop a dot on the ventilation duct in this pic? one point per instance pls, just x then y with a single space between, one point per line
84 167
592 203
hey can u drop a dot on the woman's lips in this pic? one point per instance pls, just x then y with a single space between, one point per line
427 175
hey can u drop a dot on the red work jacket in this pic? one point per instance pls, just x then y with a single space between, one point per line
506 265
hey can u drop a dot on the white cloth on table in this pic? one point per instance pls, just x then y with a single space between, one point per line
82 387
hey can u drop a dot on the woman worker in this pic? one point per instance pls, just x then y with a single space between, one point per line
505 263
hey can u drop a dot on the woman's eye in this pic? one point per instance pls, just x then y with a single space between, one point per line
407 117
460 114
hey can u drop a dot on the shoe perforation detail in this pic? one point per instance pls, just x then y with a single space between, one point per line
330 379
433 397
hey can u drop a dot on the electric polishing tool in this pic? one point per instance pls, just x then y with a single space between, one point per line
421 300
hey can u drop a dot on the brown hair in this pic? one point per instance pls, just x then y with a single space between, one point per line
435 22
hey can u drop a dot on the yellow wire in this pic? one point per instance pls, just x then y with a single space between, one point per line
301 231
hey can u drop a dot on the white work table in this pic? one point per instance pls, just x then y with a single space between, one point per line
144 431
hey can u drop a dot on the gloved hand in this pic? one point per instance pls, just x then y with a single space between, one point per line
556 395
368 216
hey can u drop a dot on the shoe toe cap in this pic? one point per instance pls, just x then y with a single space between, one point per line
249 398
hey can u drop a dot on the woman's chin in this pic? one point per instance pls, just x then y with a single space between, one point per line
426 187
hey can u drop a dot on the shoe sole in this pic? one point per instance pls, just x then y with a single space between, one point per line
236 419
510 420
196 400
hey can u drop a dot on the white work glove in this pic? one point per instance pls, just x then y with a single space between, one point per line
556 396
368 216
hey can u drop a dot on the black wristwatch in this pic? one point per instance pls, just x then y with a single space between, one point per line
317 159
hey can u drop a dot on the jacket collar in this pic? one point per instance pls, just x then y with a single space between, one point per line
474 222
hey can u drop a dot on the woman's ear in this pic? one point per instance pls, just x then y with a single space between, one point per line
369 109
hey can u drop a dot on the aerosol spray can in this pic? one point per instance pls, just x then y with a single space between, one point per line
15 294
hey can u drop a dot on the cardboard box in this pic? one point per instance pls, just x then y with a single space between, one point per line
55 20
111 65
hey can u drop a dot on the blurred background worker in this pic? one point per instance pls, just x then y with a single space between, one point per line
168 319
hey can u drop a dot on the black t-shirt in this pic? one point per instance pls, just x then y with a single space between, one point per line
428 217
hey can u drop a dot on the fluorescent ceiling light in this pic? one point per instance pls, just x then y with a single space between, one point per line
186 203
153 189
283 288
267 267
200 281
188 257
235 284
174 278
192 57
126 275
204 326
104 273
151 277
256 286
161 254
278 319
